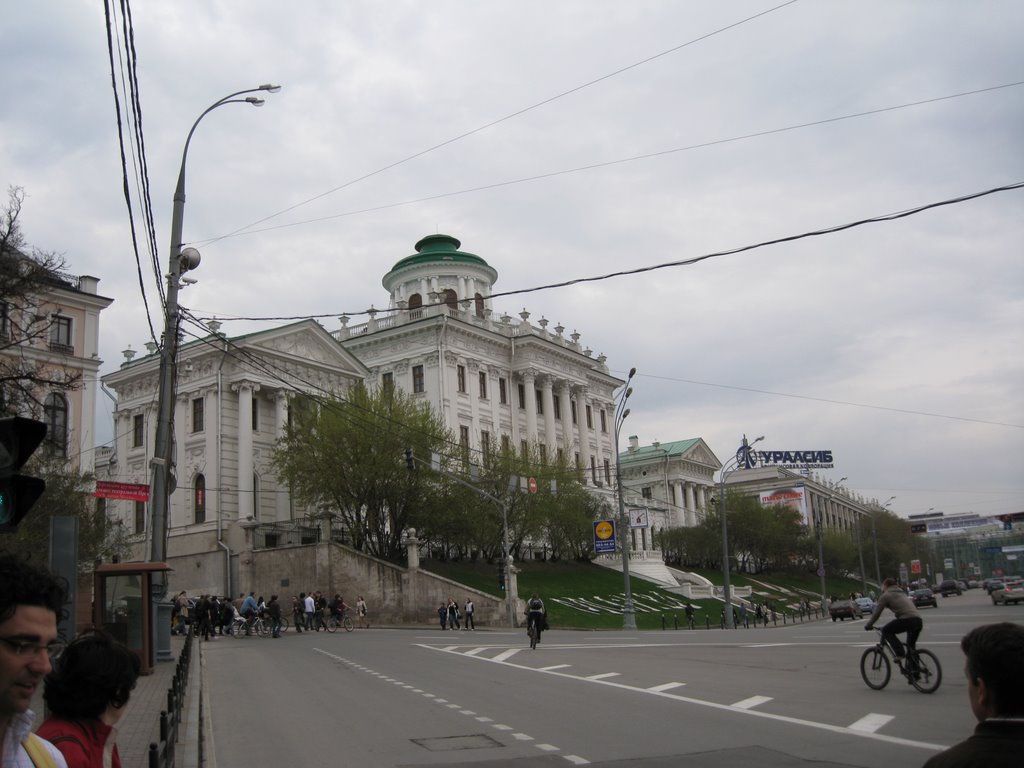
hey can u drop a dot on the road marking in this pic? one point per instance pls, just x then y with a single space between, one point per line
576 759
485 720
466 712
475 651
507 654
555 666
602 676
547 747
522 737
501 727
454 706
753 701
665 687
871 722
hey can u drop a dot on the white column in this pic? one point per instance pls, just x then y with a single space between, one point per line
690 504
547 397
582 431
530 385
565 396
245 486
702 498
280 424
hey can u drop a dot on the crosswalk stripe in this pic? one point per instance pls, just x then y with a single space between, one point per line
602 676
752 702
870 722
507 654
665 687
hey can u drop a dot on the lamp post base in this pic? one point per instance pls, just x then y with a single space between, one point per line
629 616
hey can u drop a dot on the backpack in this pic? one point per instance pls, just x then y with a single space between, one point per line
536 604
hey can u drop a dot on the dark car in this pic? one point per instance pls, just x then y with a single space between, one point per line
993 584
949 587
923 597
845 609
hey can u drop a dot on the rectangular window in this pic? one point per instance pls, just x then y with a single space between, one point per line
485 442
590 418
572 409
140 517
524 448
5 320
543 449
417 379
540 401
483 385
593 469
608 471
197 414
561 456
387 382
557 404
577 460
604 422
461 372
60 334
522 397
138 430
255 415
503 391
464 437
506 443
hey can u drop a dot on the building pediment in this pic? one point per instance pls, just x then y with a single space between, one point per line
308 343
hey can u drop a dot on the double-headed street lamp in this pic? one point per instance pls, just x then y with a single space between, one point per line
742 460
180 261
621 412
818 519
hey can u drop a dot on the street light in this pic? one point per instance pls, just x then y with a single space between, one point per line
621 412
742 458
821 547
180 261
874 535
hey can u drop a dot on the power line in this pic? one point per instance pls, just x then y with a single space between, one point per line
594 166
491 124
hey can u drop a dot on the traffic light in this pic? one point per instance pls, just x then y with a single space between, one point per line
409 463
19 439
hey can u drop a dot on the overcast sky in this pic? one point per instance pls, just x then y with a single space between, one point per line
896 345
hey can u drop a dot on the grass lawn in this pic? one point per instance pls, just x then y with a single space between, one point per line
588 596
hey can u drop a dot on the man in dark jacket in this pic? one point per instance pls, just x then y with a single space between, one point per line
995 688
907 617
274 611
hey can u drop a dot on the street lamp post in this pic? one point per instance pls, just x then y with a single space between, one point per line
743 458
180 261
621 412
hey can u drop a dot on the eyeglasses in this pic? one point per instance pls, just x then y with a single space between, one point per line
21 648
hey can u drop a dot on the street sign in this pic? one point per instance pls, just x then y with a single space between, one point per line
128 491
821 571
604 537
532 484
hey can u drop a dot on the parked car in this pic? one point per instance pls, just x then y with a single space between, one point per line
991 584
845 609
949 587
923 597
973 583
866 604
1009 592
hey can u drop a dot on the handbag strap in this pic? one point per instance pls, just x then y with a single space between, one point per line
39 754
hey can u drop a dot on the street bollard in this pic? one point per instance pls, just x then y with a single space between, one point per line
663 625
675 620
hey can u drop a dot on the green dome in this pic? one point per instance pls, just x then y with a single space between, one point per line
439 248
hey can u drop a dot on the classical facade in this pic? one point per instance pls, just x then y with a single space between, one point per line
231 407
57 334
497 381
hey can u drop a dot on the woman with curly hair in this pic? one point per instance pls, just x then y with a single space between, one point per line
85 695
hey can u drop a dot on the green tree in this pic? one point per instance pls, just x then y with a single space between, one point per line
346 458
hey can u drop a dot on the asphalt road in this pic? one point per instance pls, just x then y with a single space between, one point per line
783 696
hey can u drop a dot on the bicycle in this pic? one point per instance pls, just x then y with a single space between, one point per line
333 622
533 631
920 666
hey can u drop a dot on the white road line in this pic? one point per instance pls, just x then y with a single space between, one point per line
485 719
501 727
466 712
753 701
665 687
522 737
555 666
576 759
871 722
475 651
603 676
547 747
507 654
454 706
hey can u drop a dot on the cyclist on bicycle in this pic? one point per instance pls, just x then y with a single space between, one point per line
535 613
907 617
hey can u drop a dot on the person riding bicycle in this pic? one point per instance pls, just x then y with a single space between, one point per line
535 614
907 617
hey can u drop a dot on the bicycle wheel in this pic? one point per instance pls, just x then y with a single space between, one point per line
929 672
347 622
284 625
532 631
262 627
331 624
875 668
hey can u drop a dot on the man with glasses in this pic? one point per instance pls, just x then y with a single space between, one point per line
31 601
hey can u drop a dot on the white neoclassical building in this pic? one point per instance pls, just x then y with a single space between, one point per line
495 380
231 408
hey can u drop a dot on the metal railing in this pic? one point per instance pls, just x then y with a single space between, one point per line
161 755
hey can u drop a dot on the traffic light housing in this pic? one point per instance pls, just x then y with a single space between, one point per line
19 439
409 463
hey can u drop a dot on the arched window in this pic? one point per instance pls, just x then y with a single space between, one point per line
55 411
479 301
415 301
199 498
451 298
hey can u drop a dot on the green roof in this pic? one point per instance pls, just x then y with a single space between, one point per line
439 248
647 452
